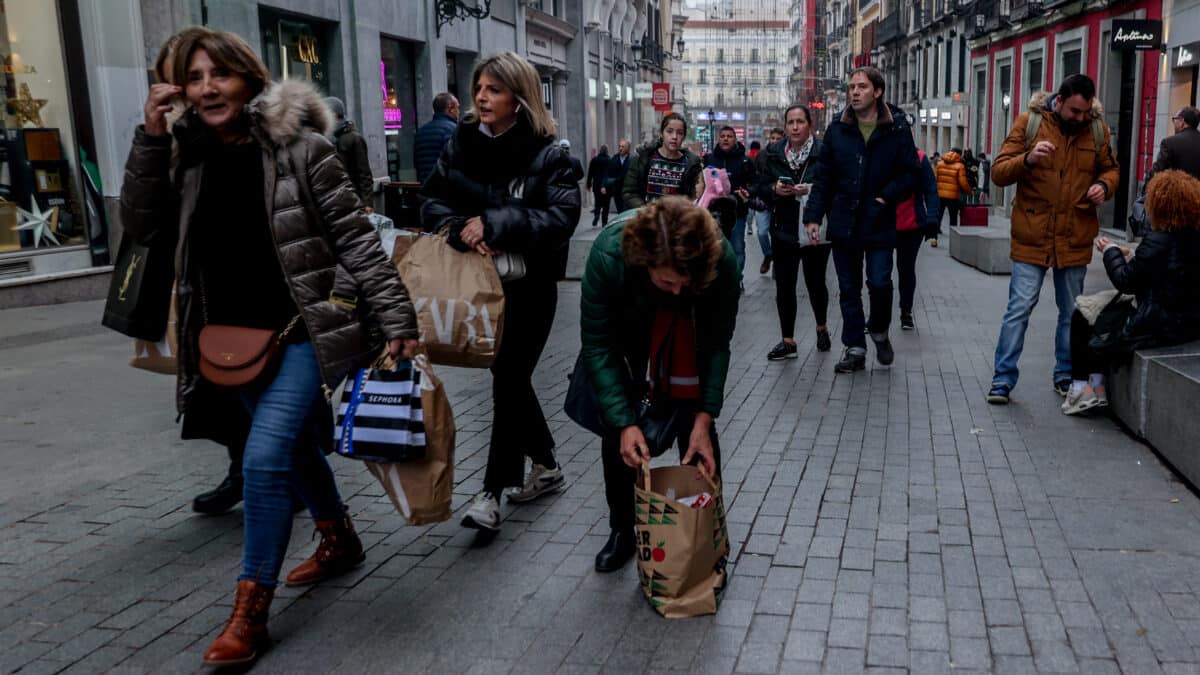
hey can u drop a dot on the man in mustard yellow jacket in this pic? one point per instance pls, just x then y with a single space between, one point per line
1059 156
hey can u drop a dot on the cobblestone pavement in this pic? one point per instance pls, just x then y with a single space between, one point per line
882 521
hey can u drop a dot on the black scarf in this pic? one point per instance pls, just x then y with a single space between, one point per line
496 160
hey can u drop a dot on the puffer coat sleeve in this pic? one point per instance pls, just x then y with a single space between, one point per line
149 201
542 222
354 241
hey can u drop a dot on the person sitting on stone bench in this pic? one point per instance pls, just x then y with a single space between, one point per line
1163 276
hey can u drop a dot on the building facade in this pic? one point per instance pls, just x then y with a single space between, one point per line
737 67
1024 47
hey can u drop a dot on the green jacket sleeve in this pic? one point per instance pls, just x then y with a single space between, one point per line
716 317
633 191
599 326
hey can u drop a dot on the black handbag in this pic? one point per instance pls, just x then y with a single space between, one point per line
1108 332
139 294
658 420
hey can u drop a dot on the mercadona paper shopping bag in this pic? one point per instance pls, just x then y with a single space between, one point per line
681 551
421 490
459 301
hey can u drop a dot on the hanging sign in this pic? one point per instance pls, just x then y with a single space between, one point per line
643 90
661 96
1186 56
1136 34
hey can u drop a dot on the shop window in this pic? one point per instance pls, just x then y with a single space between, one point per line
398 96
40 194
297 48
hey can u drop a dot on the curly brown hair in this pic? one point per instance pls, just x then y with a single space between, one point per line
1172 200
673 232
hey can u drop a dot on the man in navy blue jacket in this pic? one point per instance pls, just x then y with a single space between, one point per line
432 135
867 166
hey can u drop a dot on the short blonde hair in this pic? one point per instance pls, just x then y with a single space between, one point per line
522 79
225 49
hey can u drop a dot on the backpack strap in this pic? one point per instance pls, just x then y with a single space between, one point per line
1031 129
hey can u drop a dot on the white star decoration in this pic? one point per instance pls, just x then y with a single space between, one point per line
40 222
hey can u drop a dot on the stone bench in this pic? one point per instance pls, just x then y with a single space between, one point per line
984 248
1157 396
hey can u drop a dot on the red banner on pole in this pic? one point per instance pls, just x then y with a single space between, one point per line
661 96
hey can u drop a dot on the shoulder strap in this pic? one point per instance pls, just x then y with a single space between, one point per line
1031 129
1098 135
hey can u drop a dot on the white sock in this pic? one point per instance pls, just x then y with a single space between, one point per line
1077 386
1096 380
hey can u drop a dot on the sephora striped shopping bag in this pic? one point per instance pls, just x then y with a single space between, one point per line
379 417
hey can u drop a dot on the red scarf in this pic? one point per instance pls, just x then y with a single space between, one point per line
673 370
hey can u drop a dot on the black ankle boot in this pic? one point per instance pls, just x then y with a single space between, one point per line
219 500
619 549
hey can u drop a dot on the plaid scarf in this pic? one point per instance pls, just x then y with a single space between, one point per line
674 372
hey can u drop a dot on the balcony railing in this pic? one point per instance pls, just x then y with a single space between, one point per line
888 30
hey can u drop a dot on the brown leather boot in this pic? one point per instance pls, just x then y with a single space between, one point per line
339 552
245 636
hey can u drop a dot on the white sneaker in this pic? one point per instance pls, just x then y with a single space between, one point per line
540 481
1086 400
484 513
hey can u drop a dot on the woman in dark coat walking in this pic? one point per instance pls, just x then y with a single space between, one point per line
1163 275
789 167
268 232
503 185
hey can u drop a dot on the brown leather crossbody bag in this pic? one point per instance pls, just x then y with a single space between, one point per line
233 356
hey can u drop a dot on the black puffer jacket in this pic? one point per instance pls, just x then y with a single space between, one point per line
1164 275
325 244
520 184
853 174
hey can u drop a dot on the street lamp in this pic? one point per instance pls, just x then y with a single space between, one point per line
1006 101
711 115
637 52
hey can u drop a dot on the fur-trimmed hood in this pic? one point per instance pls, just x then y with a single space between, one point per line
1043 100
286 108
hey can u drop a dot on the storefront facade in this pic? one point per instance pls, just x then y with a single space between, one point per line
1018 56
52 215
1179 77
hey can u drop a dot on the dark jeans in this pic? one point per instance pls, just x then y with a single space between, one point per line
518 425
277 464
619 477
849 260
600 211
788 258
908 244
953 207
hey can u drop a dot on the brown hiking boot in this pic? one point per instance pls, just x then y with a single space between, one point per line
339 552
245 636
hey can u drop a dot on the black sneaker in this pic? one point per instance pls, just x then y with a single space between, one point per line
906 321
998 395
824 344
853 358
782 351
883 349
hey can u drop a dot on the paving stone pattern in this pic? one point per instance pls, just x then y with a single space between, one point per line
886 521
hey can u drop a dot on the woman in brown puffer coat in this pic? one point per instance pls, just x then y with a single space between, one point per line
269 234
952 183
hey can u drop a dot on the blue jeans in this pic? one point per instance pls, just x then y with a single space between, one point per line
848 262
738 239
280 460
762 223
1024 289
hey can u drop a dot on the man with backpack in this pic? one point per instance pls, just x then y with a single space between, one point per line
1059 155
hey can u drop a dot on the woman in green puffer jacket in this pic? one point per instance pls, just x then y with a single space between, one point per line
667 277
